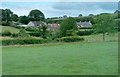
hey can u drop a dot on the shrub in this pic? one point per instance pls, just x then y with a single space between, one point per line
37 34
6 33
86 32
24 41
32 29
70 39
55 34
22 33
14 35
5 24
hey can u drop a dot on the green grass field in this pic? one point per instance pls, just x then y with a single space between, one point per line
99 58
99 37
8 28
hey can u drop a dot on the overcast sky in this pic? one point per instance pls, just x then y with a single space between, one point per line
55 9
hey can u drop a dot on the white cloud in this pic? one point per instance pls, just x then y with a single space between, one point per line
50 10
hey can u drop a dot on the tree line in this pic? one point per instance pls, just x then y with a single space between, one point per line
7 16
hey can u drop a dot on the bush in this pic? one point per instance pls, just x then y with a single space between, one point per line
22 33
70 39
55 34
24 41
14 35
32 29
87 32
6 33
5 24
35 34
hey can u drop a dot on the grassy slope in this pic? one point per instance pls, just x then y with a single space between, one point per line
98 58
99 37
8 28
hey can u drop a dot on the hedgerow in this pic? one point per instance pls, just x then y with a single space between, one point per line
24 41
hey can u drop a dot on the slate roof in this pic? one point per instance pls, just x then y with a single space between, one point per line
34 23
84 24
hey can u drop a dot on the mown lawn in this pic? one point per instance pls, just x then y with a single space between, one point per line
99 58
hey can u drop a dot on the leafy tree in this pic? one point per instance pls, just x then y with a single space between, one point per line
65 16
105 24
36 15
55 35
1 14
15 17
83 19
68 26
49 21
6 15
43 31
23 19
80 15
91 15
117 22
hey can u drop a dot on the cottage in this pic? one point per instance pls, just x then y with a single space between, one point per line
35 23
84 24
54 26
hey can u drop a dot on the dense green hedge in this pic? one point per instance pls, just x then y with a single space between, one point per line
5 24
35 34
6 33
24 41
70 39
87 32
14 35
31 29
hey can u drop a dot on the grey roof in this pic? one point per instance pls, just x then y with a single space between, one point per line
34 23
84 24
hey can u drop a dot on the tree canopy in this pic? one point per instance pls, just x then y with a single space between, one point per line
6 15
36 15
15 17
68 26
80 15
24 19
104 24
